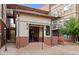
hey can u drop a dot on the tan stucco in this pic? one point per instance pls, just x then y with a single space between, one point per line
25 20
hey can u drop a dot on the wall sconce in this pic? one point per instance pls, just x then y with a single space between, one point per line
28 26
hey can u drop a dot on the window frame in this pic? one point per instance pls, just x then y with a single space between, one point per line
67 7
47 30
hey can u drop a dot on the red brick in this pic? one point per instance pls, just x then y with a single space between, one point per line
61 40
40 39
47 40
55 40
21 41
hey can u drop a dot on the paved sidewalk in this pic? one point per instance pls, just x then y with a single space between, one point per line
36 49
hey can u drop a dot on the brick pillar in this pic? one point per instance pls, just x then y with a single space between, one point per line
55 40
47 40
21 42
40 39
61 40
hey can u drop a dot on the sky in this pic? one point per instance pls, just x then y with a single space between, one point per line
32 5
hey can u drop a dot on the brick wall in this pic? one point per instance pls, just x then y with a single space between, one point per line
21 42
55 40
41 39
61 40
47 40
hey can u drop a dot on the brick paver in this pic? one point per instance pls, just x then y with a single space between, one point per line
36 49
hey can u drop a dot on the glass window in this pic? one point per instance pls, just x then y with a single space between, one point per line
56 13
47 30
67 7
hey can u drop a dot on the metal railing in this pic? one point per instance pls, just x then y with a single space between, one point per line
10 11
56 26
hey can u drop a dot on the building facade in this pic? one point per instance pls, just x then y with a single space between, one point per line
25 25
65 11
22 25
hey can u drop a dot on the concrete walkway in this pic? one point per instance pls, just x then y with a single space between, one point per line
41 49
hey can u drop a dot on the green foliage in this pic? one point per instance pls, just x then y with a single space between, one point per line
71 27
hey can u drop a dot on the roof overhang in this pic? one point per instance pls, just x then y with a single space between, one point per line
43 13
15 6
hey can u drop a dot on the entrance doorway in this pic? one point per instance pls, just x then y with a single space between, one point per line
36 36
11 30
12 36
33 34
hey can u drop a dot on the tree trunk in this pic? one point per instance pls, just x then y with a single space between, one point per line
73 38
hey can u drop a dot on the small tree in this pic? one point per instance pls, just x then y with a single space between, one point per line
71 27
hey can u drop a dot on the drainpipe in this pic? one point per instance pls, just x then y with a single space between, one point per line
51 23
18 45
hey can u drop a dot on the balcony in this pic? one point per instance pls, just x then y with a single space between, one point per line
10 11
56 26
56 13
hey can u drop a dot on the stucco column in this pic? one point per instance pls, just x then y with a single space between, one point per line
22 36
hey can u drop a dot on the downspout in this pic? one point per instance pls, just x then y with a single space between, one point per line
18 30
50 24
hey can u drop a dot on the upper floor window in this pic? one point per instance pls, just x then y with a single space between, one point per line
56 13
67 7
10 11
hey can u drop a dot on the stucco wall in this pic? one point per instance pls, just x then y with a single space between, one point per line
25 20
35 19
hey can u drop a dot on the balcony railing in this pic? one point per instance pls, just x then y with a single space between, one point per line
10 11
56 13
57 26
